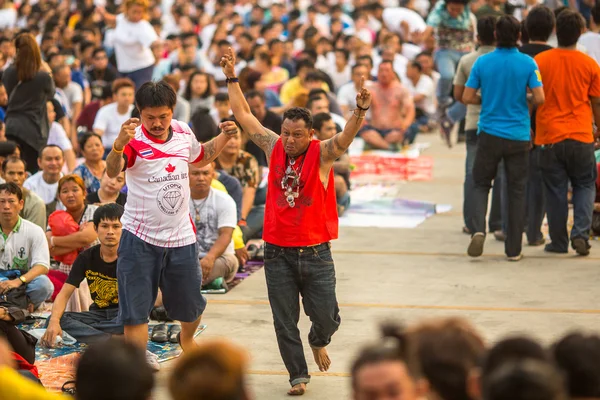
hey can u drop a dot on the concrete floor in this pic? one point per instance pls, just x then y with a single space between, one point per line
410 274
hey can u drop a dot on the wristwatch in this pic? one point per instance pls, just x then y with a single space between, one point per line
23 279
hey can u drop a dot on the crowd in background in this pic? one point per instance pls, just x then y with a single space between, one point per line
70 70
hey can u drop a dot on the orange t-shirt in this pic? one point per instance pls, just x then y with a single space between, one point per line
570 78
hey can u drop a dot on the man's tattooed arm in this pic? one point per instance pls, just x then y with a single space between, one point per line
212 149
265 139
333 148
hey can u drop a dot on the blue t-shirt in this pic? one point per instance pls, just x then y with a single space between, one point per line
503 77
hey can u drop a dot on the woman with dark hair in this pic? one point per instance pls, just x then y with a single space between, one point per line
29 86
203 125
92 169
200 91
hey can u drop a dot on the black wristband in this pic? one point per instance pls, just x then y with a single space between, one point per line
232 80
360 108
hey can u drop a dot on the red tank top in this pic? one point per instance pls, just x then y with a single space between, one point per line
314 219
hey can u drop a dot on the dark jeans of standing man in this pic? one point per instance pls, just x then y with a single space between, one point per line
495 219
536 199
515 154
562 162
309 272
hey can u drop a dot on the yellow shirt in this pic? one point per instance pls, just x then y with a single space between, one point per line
238 237
15 386
293 88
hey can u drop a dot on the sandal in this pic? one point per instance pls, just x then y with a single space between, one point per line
174 333
68 390
160 333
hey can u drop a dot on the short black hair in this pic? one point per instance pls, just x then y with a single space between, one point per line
320 119
486 26
417 65
314 76
12 159
524 380
155 94
317 92
393 347
9 147
596 13
106 93
540 23
363 58
524 33
221 97
512 349
343 51
50 146
299 113
113 369
108 212
304 63
87 136
578 356
84 45
312 99
569 25
255 93
508 29
12 188
98 50
464 2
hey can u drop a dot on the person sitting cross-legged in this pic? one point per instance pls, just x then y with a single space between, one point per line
98 265
215 216
24 249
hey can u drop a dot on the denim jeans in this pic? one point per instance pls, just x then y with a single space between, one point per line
515 154
447 62
92 326
309 272
39 290
536 199
495 217
562 162
413 129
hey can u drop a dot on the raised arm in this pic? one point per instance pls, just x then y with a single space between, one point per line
213 147
333 148
115 161
263 137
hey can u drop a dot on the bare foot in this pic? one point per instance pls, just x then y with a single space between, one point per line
297 390
322 358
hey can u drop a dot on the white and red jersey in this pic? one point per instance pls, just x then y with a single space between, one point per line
157 208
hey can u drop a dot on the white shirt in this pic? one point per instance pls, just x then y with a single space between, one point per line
68 96
410 51
8 18
424 86
58 137
209 215
157 209
132 44
340 78
346 95
591 41
109 121
37 184
393 18
24 248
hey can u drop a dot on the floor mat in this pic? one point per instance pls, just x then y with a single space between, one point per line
57 366
250 268
378 205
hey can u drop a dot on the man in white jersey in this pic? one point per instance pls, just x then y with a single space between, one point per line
158 245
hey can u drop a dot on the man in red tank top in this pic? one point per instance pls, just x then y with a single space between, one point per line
300 221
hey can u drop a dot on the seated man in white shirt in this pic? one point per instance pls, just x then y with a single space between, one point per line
14 170
423 91
215 217
346 95
320 104
44 183
26 258
111 116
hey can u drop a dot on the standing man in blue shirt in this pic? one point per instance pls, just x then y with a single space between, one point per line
503 76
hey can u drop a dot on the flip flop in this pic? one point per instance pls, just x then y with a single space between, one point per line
160 333
174 333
